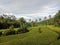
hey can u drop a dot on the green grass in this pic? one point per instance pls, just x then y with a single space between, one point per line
33 37
53 28
1 30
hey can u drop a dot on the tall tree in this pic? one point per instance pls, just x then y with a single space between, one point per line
45 20
49 16
22 22
57 18
50 20
39 19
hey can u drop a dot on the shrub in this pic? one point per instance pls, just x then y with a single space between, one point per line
22 30
11 27
10 31
40 30
0 33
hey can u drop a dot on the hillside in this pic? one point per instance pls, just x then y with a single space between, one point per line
33 37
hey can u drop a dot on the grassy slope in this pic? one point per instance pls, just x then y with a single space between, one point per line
33 37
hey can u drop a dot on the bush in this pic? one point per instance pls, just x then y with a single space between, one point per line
0 33
11 27
11 31
8 32
40 30
58 25
22 30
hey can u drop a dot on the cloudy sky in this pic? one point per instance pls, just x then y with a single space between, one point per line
33 9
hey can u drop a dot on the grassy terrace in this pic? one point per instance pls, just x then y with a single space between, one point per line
33 37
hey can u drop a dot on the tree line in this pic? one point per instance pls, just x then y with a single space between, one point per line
52 20
10 22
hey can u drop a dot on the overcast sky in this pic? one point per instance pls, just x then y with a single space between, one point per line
33 9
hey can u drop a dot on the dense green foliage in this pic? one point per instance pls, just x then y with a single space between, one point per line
6 21
57 18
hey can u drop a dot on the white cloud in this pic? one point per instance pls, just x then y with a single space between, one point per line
33 9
